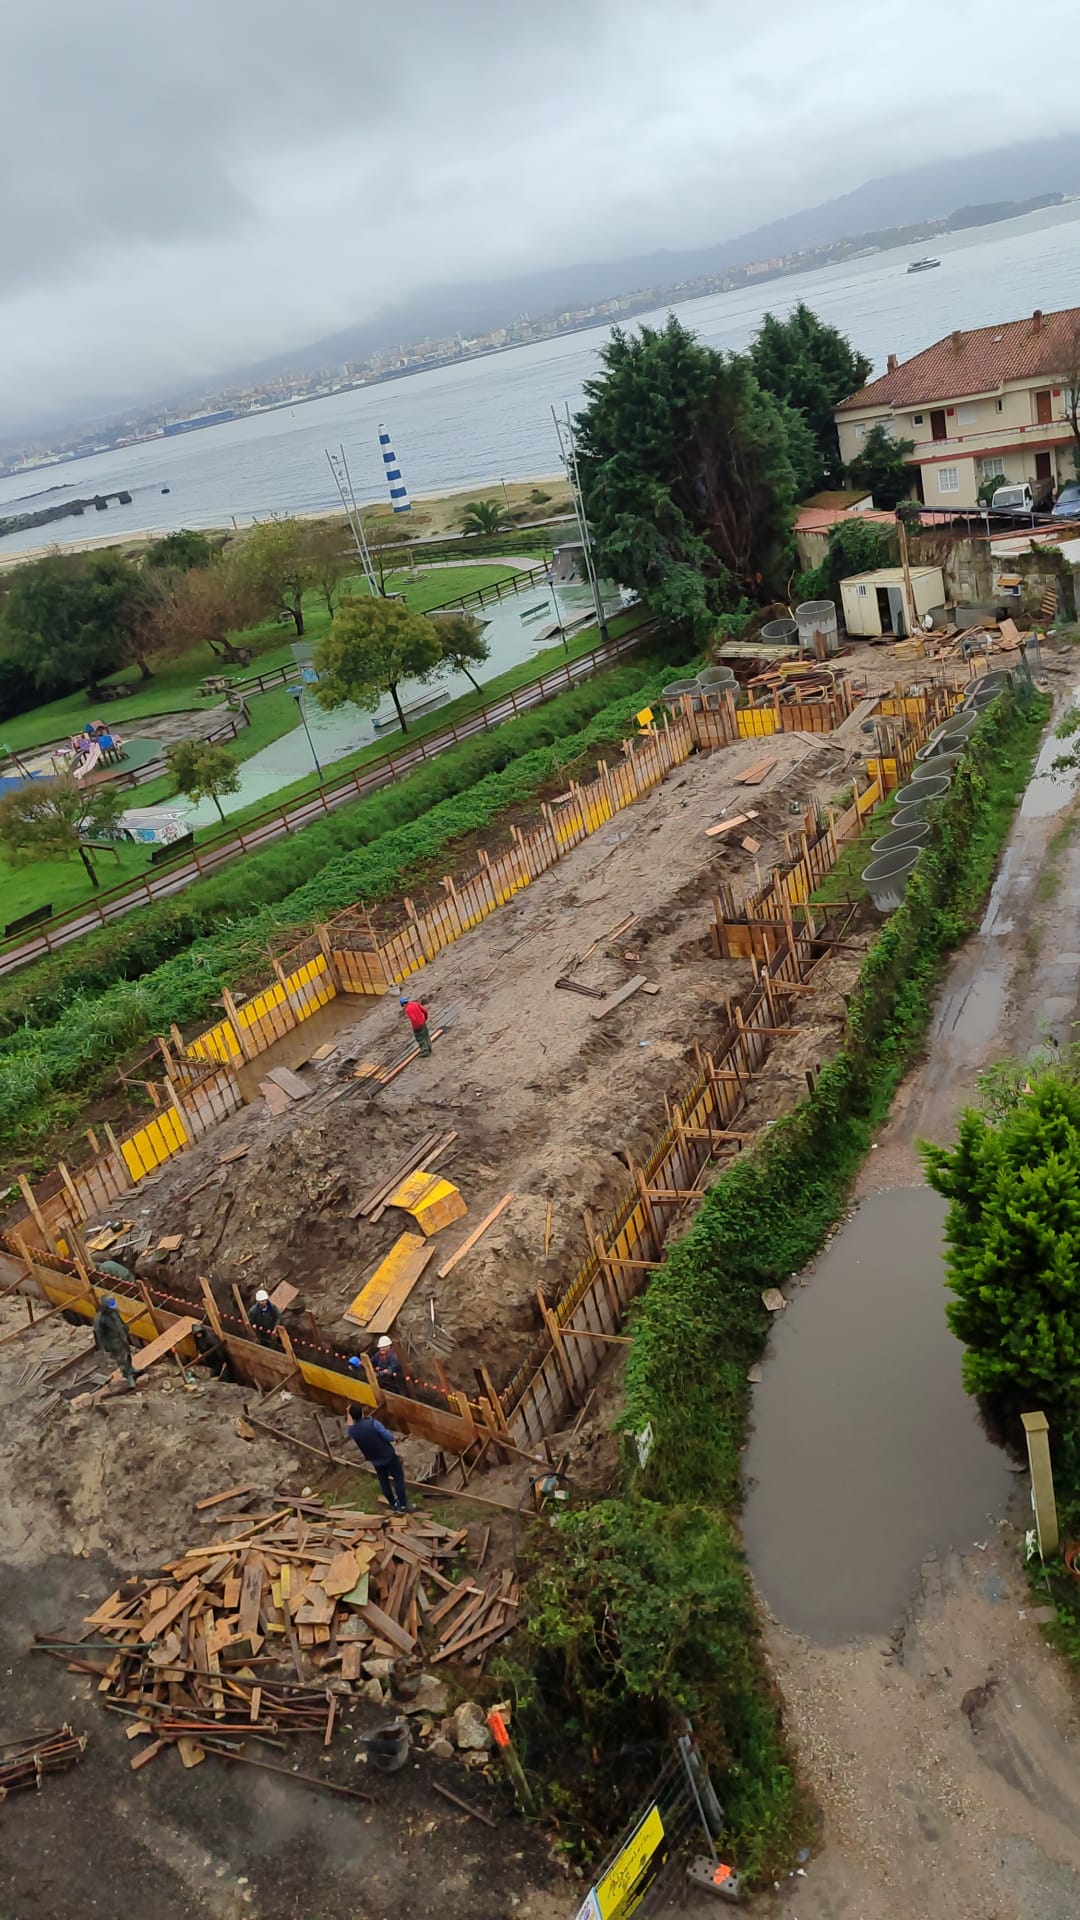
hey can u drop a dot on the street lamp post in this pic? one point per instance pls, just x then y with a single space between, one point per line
298 695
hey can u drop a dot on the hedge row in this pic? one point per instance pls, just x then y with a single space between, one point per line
47 1072
642 1603
38 994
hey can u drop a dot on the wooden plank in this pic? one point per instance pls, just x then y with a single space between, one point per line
350 1660
230 1493
727 826
164 1344
289 1082
474 1236
170 1243
159 1623
616 999
277 1101
146 1754
283 1295
386 1628
755 774
234 1153
251 1588
750 845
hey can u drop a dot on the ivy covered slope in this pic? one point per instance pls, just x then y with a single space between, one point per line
641 1604
72 1032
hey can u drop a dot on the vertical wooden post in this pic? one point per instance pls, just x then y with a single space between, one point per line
210 1303
240 1034
180 1110
279 975
36 1214
655 1236
1037 1432
558 1344
322 935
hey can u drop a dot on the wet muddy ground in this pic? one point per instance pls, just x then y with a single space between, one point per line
941 1742
866 1454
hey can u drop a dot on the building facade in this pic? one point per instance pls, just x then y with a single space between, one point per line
988 404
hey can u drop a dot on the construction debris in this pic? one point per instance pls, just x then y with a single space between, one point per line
25 1762
474 1236
755 774
616 999
256 1634
382 1297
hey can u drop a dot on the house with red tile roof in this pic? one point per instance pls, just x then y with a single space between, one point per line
988 403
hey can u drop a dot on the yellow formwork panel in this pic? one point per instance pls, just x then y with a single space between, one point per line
433 1202
143 1152
403 1263
756 722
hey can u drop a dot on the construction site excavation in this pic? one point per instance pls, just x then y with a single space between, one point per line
622 991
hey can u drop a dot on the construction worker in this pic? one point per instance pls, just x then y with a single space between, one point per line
417 1017
112 1337
389 1371
264 1318
376 1443
211 1352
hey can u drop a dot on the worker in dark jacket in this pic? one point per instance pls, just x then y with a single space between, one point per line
376 1443
112 1337
211 1351
389 1371
264 1318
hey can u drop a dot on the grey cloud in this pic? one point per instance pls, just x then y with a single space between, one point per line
198 186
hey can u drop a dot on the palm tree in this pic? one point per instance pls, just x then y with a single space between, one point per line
483 516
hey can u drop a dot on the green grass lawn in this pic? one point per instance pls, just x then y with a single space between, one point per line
176 687
64 884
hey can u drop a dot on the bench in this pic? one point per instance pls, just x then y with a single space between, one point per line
168 849
28 920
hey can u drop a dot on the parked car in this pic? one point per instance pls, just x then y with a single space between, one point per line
1067 505
1018 500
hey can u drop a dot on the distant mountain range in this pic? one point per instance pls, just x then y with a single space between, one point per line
928 192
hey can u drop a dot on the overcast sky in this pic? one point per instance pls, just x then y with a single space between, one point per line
188 188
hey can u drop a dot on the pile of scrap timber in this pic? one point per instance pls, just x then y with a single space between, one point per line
25 1762
260 1632
373 1204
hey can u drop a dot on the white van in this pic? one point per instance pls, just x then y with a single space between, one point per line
1019 500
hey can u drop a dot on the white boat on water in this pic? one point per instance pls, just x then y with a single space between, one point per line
924 265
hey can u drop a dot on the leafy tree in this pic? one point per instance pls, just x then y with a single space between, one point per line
333 558
277 564
462 641
372 646
210 605
52 819
855 546
483 516
811 367
69 620
881 468
1013 1232
203 771
688 473
386 547
183 550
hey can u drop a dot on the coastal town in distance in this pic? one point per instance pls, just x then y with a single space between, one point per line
290 388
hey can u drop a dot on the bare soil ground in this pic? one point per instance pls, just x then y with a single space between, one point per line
543 1096
94 1496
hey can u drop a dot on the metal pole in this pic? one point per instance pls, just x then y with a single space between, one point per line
570 462
339 467
298 695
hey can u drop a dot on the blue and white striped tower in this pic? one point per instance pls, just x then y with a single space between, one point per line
399 492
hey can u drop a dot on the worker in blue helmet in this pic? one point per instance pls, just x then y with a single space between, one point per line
112 1338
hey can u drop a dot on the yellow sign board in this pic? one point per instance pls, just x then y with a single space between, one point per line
624 1886
645 717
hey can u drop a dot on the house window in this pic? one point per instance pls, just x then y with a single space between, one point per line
992 467
862 591
948 479
966 416
1000 405
917 419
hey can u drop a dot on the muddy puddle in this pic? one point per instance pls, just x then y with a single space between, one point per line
865 1454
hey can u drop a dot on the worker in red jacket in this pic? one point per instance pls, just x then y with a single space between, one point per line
417 1017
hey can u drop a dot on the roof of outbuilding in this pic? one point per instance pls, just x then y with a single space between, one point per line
978 361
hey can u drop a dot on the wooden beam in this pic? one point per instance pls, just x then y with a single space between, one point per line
586 1333
467 1245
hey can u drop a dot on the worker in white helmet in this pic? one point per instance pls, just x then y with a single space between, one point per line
264 1317
389 1371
